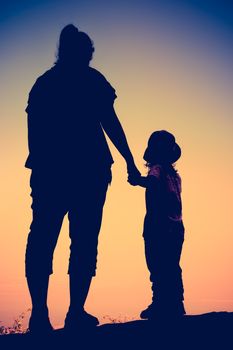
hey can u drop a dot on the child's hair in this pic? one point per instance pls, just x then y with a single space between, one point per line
162 149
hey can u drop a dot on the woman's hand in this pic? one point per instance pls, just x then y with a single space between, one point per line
133 173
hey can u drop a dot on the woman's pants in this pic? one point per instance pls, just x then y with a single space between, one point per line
55 195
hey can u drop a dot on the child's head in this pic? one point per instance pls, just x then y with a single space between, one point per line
162 149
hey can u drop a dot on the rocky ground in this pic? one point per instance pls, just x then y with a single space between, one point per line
207 331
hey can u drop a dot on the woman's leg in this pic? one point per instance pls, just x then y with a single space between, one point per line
44 231
85 218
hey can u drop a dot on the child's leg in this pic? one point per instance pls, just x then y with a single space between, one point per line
149 255
163 251
170 284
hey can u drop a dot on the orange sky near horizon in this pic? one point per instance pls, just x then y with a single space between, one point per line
164 80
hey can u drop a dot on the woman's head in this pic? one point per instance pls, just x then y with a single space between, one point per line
162 149
75 47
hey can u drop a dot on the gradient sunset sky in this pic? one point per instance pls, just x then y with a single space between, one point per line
171 65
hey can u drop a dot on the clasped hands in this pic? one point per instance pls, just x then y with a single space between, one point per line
133 174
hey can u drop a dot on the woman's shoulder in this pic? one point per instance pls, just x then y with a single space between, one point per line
44 78
96 73
103 85
42 84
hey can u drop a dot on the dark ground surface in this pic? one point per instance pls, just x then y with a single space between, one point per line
207 331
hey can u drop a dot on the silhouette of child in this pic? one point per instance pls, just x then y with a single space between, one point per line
163 227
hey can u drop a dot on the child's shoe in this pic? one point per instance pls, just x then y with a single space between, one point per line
158 310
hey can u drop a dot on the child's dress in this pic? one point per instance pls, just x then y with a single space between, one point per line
164 236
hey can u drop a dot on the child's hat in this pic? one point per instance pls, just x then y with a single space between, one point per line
162 147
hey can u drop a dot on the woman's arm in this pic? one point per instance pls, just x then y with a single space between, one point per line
115 132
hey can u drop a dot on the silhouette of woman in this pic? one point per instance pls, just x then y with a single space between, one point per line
69 106
163 226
